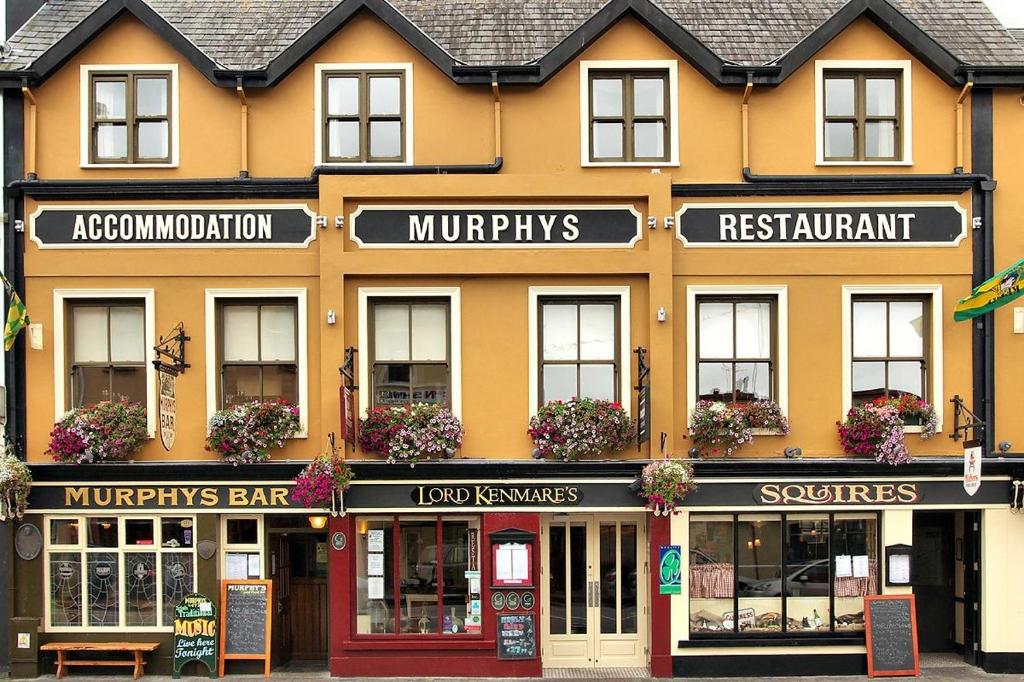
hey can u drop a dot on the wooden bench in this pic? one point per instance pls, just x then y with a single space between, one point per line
134 648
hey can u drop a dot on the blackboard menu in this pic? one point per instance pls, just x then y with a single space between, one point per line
516 636
245 620
195 633
891 629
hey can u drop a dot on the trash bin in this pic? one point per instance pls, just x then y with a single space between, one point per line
24 647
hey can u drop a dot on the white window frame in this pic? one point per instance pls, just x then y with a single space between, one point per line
302 342
906 120
670 65
625 338
781 294
122 551
85 133
245 548
61 298
935 358
454 296
318 109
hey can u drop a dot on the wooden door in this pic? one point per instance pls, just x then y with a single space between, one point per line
309 603
280 574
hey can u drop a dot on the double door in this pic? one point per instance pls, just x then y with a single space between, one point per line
594 591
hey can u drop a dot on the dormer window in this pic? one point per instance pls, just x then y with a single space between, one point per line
130 117
364 115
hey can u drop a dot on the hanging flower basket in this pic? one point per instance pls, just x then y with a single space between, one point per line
410 434
323 483
579 428
244 434
15 484
718 429
875 430
765 415
665 483
108 431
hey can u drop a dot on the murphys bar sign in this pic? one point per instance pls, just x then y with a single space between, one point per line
212 226
497 495
818 224
837 493
593 226
128 496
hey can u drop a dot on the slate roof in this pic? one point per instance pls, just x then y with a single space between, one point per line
248 34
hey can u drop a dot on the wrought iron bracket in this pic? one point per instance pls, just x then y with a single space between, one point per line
643 397
960 428
170 352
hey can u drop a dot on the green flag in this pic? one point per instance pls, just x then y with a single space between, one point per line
17 315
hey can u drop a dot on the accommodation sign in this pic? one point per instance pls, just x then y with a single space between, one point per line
782 494
212 226
802 225
594 226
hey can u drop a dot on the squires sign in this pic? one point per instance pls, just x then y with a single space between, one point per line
497 496
837 493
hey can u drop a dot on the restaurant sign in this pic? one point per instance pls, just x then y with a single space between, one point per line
820 224
146 227
837 493
593 226
496 495
128 497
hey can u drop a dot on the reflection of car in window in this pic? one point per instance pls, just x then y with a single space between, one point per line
808 580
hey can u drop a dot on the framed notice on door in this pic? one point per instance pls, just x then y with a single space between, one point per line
513 565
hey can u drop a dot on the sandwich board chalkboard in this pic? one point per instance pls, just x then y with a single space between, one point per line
195 633
891 629
245 621
516 636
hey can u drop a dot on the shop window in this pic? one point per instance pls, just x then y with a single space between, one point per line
106 352
629 116
891 346
410 351
579 349
130 117
364 116
736 348
862 115
781 573
427 559
121 572
242 547
258 351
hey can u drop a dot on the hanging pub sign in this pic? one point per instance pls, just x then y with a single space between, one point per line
972 466
195 633
819 224
168 409
595 226
210 226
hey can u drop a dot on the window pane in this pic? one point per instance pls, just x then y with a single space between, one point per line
868 381
385 95
343 139
607 97
430 332
102 532
64 531
807 573
176 532
179 580
243 532
242 384
648 97
608 140
127 334
455 563
715 381
277 333
152 140
628 581
375 578
89 385
597 382
711 574
102 589
391 332
579 565
241 333
715 330
649 140
90 333
880 140
753 330
385 139
839 97
753 381
139 532
559 382
111 141
556 583
430 384
151 96
906 377
110 99
839 140
343 96
391 384
140 588
417 572
607 557
906 329
881 96
128 383
869 329
597 331
65 588
559 334
280 382
759 574
854 536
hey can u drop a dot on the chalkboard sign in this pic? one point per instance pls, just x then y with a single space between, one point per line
245 621
891 628
516 636
195 633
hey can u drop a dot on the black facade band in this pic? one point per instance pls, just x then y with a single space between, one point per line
781 665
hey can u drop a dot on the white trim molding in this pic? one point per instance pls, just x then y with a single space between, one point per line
454 295
625 340
318 112
781 294
85 133
906 119
297 293
937 313
670 65
60 299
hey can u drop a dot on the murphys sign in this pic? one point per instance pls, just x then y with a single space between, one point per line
146 227
516 227
818 224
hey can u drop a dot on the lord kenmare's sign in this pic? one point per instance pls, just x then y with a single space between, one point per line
801 225
594 226
212 226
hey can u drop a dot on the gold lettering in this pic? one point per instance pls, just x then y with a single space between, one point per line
190 496
907 492
124 497
770 494
237 497
259 497
837 491
145 495
168 497
860 493
209 497
573 494
885 492
73 495
279 497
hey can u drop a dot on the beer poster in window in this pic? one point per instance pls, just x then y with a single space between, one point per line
245 621
513 563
